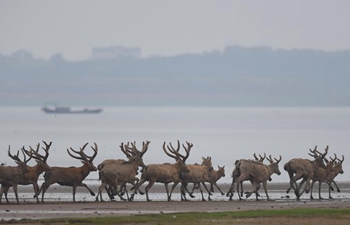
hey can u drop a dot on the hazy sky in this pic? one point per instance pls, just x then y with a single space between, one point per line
161 27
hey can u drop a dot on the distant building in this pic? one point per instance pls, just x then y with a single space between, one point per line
110 53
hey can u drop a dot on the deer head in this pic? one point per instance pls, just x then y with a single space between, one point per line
39 158
85 159
21 164
274 164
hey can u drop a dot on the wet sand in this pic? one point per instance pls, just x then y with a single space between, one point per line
87 207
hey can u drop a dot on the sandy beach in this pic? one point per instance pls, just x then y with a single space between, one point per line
56 206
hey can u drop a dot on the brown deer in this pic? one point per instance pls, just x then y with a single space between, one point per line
258 173
214 176
109 162
165 173
122 173
10 176
236 173
197 174
334 167
304 169
31 177
71 176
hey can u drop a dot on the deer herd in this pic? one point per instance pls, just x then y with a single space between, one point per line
116 174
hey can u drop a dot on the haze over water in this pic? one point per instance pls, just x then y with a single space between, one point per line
224 133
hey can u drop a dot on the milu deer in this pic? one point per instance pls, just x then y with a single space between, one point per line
122 173
31 177
258 173
236 173
304 169
108 162
71 176
333 168
167 172
197 174
214 176
10 176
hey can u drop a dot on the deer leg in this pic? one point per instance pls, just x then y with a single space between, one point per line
241 188
102 186
231 190
16 193
200 189
43 189
74 190
298 187
195 186
167 191
121 189
338 190
6 189
206 188
1 192
237 189
36 191
110 192
125 190
84 185
127 193
136 187
211 186
184 190
307 184
312 185
149 185
133 186
238 184
172 189
329 192
216 185
319 190
265 189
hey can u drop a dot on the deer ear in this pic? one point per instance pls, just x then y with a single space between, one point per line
83 162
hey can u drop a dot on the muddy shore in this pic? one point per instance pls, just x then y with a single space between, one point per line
87 207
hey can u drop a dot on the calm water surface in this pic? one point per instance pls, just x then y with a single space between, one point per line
225 134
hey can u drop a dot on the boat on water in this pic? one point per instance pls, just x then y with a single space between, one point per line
68 110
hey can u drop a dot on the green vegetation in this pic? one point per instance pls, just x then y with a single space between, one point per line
292 216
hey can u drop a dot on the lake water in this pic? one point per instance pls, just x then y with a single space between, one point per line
226 134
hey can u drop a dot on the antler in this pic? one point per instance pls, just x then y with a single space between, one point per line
125 150
313 152
144 147
16 157
95 149
174 154
46 149
256 158
35 153
262 158
270 159
83 156
336 158
136 151
278 160
187 150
